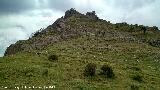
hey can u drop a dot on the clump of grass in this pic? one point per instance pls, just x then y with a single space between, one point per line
107 71
29 72
134 87
90 70
136 68
45 72
2 75
53 58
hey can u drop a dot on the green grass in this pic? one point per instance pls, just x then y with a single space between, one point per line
126 59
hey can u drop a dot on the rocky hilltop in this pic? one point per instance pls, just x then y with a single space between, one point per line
74 24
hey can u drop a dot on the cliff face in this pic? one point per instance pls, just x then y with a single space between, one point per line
73 25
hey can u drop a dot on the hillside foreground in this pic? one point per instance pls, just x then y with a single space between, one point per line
134 56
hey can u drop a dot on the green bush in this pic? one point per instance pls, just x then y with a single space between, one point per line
90 70
143 28
53 57
107 71
137 78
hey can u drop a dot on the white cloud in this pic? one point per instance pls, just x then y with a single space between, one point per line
20 27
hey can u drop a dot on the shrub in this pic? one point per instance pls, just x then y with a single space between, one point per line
45 72
155 28
137 78
53 58
154 43
143 28
108 71
90 70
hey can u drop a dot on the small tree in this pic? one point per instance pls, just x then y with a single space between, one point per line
136 25
131 29
90 70
155 28
37 33
144 29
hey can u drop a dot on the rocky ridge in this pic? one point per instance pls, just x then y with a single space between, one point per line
73 25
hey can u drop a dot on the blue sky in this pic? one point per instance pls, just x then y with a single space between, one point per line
20 18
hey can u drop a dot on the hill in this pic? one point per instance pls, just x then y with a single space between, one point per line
75 40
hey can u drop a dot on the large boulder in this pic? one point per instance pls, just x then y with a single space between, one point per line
92 15
71 12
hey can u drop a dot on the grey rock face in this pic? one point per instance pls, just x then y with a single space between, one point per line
92 15
71 12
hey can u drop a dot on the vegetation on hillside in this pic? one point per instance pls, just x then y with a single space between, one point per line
80 52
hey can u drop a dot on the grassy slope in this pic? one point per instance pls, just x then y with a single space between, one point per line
127 59
67 73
